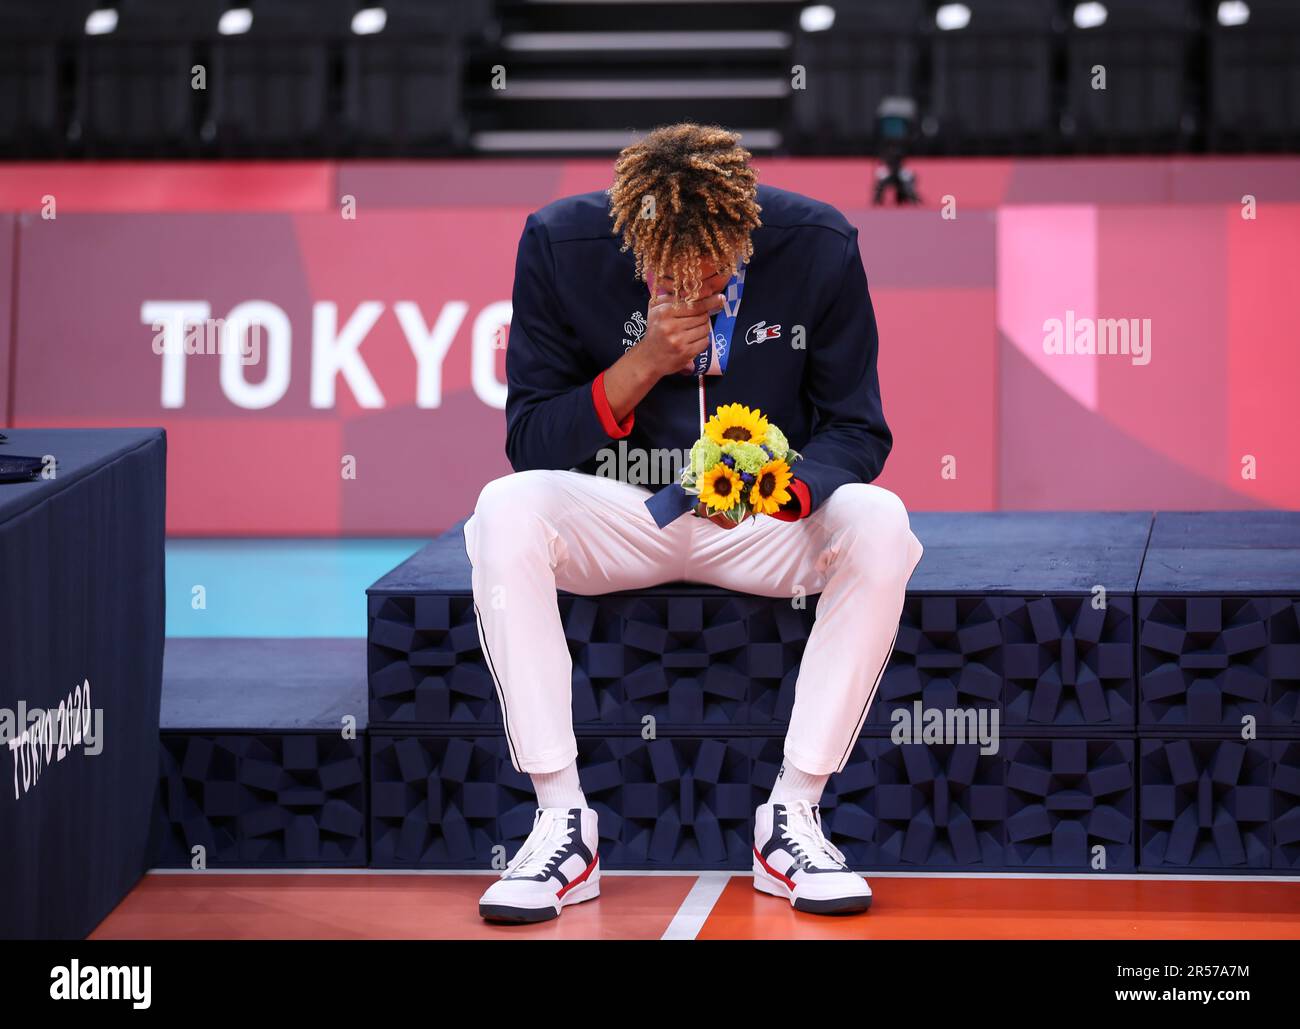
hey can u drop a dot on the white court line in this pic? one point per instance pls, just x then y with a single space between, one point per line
697 906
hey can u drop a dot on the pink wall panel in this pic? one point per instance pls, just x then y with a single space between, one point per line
938 381
1262 354
1047 268
163 186
1168 264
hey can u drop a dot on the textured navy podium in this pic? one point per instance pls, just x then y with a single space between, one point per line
263 755
81 636
1144 673
1218 712
1119 676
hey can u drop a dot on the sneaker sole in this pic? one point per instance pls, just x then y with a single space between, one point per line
853 905
511 915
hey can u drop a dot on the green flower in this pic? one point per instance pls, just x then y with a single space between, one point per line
704 455
776 441
749 457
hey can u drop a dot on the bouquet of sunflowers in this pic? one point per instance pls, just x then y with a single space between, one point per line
740 466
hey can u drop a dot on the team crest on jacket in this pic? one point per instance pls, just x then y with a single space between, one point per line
634 329
760 331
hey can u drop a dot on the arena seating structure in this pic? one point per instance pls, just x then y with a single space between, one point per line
331 78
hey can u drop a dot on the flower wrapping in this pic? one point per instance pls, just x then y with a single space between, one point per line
741 465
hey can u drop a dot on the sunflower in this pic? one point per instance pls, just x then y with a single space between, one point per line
720 488
737 424
769 491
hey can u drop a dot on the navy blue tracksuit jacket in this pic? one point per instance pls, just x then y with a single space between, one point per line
578 306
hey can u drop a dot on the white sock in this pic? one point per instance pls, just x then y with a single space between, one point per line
559 789
792 784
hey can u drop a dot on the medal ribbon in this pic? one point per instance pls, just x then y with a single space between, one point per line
713 359
672 501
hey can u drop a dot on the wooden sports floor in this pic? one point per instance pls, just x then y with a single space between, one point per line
709 905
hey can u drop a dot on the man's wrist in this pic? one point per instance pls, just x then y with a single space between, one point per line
636 373
617 391
641 363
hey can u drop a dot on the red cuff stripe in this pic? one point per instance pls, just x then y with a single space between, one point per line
605 413
801 494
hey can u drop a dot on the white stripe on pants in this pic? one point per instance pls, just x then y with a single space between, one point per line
533 532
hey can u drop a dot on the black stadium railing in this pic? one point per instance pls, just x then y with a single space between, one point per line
318 78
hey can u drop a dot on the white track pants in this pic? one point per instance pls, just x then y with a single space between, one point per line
533 532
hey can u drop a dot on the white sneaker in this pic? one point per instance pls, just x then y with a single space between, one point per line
792 858
556 866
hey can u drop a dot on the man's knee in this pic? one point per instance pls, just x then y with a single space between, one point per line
509 517
872 507
878 525
503 499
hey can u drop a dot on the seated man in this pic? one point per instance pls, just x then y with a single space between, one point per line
585 368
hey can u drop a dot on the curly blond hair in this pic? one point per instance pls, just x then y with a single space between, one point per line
683 194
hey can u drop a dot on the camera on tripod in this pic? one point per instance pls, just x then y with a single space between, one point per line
896 129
